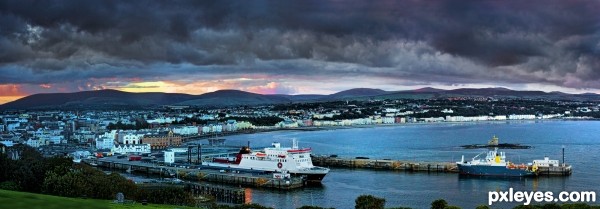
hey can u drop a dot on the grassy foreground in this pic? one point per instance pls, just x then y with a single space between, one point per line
12 199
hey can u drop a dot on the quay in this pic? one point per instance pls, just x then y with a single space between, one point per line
220 193
562 170
398 165
199 174
410 166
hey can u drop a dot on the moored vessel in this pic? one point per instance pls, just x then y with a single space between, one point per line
293 160
495 164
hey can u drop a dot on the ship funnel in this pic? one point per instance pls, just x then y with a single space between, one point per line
462 159
294 144
276 145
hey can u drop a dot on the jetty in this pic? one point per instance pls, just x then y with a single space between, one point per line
399 165
199 174
220 193
413 166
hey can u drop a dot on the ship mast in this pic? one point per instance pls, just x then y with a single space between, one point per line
294 144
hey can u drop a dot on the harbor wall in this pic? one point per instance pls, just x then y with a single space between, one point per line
412 166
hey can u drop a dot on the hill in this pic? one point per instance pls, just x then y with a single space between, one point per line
354 93
95 98
111 99
234 98
12 199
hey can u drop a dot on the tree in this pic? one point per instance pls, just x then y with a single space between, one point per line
439 204
369 202
482 207
551 206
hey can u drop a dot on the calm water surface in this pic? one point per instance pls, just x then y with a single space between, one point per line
434 142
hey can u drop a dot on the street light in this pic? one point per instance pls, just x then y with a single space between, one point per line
563 155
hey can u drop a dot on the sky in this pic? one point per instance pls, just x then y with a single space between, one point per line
297 47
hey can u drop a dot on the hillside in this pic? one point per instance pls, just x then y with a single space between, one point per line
233 98
12 199
354 93
95 98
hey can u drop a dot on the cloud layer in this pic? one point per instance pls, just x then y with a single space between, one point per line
293 46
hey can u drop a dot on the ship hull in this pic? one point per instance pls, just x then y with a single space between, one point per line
486 170
313 176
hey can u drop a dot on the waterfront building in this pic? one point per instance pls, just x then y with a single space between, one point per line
130 137
388 120
131 148
400 120
287 124
162 140
186 130
521 117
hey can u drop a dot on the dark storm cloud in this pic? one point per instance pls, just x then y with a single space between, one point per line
550 42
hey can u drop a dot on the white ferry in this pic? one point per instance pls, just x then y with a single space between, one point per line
294 160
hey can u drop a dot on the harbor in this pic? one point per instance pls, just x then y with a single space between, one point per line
352 167
197 174
411 166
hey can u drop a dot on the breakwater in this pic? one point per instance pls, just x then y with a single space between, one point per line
445 167
411 166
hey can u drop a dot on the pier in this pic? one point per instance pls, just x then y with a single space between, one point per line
562 170
220 193
198 174
412 166
440 167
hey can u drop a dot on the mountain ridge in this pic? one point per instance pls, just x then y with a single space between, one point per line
229 97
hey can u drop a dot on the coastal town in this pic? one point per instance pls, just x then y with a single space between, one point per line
64 132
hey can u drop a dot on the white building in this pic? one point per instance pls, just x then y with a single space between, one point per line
162 120
131 138
546 162
131 148
169 157
521 117
104 143
186 130
388 120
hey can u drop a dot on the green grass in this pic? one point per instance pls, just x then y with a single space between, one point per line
12 199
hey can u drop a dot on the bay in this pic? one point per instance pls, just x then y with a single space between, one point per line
434 142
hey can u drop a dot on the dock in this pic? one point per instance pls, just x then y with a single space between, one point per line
397 165
198 174
220 193
561 170
412 166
